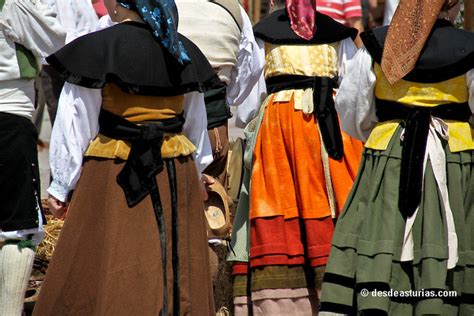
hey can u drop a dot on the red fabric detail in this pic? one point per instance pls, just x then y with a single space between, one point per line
99 8
341 10
240 268
276 241
302 17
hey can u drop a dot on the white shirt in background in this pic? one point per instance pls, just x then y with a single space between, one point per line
34 26
76 16
390 7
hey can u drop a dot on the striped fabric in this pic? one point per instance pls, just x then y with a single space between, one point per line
340 10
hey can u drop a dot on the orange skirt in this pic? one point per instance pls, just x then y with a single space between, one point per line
288 175
290 214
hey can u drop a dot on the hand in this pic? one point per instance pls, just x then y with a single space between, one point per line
56 207
205 181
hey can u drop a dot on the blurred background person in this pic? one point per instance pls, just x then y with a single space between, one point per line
369 8
28 31
78 18
223 32
390 7
347 12
99 7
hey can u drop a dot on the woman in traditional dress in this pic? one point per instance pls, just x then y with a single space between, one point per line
134 240
408 224
303 166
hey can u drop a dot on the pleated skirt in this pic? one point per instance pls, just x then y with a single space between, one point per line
367 243
290 212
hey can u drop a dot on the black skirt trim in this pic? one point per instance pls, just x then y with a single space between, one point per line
337 308
129 56
276 29
430 293
339 279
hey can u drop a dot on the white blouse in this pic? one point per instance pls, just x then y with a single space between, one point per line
250 63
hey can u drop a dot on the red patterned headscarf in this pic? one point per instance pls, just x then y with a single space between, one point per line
303 17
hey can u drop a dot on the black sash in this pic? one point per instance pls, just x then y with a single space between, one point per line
324 108
137 179
416 121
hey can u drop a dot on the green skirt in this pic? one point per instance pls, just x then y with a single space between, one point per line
367 243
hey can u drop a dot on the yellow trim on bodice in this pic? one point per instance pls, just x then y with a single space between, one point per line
426 95
421 94
137 108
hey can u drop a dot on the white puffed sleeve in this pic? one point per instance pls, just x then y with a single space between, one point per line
250 106
76 124
347 51
32 25
355 100
250 62
195 128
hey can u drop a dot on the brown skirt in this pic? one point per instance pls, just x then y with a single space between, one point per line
108 257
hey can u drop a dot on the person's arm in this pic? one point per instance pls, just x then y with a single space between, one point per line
359 25
470 87
250 62
195 128
355 100
353 17
32 25
76 124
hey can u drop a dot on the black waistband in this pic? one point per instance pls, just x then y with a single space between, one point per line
287 82
390 110
144 160
324 108
416 121
137 179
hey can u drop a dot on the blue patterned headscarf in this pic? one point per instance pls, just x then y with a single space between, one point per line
162 17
